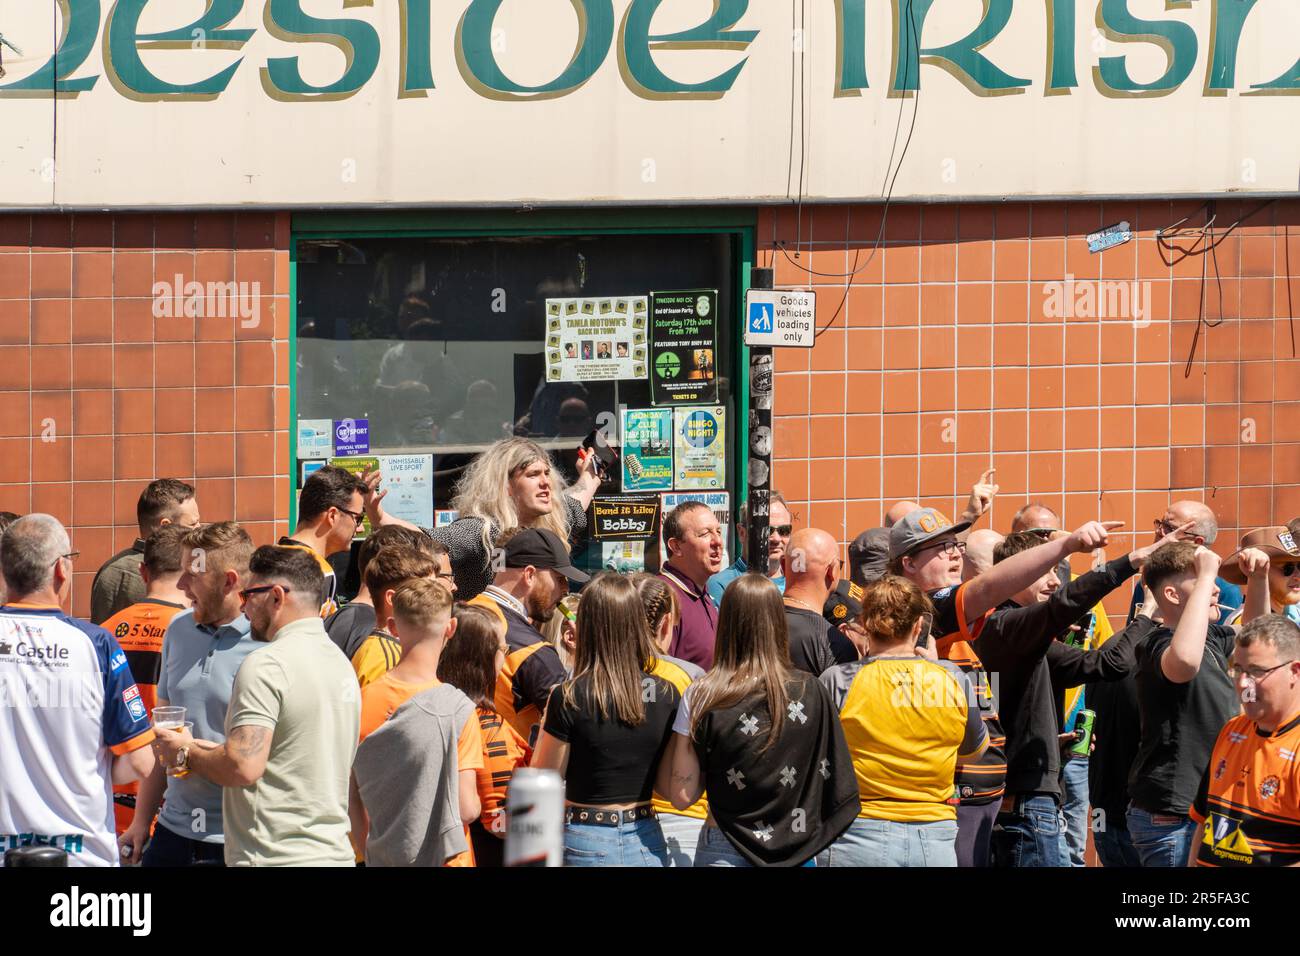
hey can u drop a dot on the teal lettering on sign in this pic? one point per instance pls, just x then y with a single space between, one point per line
636 59
122 43
478 63
358 41
1061 75
1175 38
850 47
962 59
417 58
80 23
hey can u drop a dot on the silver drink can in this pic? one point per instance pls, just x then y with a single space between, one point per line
535 818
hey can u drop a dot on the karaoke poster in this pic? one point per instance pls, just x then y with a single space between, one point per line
699 447
647 449
593 340
683 347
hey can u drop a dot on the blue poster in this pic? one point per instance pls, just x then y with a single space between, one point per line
351 437
647 449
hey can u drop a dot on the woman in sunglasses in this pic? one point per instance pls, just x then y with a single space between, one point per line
1283 550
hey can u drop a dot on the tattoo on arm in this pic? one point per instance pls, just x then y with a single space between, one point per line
247 741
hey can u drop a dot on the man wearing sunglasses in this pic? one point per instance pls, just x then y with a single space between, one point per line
291 729
331 507
1204 529
1247 808
779 528
1283 582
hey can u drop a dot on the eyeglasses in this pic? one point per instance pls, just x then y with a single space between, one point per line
1043 533
1288 569
70 555
244 594
1253 676
784 530
943 547
357 516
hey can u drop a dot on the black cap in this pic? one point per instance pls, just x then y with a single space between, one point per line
542 549
844 603
869 555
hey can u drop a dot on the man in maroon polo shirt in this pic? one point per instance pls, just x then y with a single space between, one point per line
694 541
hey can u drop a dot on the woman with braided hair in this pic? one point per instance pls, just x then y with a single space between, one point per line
682 828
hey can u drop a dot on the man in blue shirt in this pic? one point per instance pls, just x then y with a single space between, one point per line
778 538
201 654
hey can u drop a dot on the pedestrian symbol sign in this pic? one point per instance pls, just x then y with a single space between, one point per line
780 318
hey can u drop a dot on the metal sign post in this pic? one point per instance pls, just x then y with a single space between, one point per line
760 439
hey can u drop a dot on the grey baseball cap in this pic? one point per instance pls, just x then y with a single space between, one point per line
918 528
869 555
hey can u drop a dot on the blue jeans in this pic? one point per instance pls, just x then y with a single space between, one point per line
1074 781
1161 839
170 849
1030 835
635 843
893 843
1115 844
716 850
683 836
975 833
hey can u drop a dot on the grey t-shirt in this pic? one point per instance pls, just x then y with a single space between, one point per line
408 779
198 669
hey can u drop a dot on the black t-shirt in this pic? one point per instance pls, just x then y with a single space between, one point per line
349 626
810 642
610 761
779 805
1180 722
1117 729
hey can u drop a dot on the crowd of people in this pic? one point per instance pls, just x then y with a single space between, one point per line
950 696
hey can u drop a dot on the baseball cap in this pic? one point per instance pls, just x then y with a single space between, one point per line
844 603
869 555
1276 541
918 528
542 548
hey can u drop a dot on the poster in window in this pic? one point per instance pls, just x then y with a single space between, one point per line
699 447
647 449
683 347
591 340
356 464
408 480
625 517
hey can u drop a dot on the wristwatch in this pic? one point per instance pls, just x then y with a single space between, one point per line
182 759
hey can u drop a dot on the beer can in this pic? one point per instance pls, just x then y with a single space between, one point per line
1083 636
1083 727
535 818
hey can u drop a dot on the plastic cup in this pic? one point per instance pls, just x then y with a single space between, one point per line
169 718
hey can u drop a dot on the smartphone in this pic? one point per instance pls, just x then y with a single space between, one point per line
923 640
606 460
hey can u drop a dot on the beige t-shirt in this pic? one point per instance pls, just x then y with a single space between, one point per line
301 687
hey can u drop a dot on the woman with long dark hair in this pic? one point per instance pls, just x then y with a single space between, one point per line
765 741
471 662
606 730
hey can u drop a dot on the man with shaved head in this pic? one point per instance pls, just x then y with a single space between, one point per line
812 570
979 552
1205 528
897 510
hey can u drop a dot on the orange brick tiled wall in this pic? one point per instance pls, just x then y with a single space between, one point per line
940 362
97 396
943 361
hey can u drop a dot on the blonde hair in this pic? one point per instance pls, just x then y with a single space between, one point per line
484 490
419 602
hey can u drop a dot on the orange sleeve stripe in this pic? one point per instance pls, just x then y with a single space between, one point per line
142 739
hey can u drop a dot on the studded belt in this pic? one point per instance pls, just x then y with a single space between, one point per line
607 818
